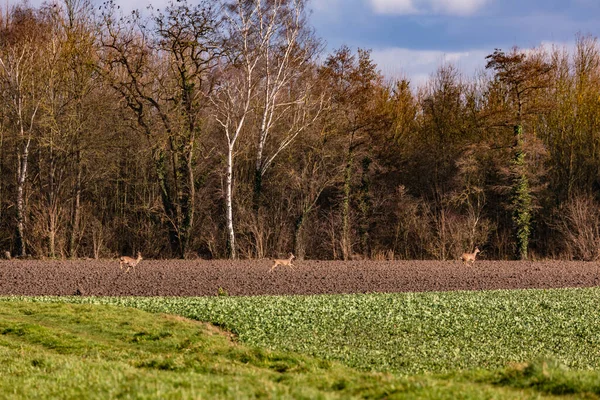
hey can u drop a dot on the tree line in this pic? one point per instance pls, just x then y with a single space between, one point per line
224 130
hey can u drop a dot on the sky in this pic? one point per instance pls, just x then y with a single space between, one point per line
412 38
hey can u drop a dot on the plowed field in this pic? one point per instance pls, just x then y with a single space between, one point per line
252 277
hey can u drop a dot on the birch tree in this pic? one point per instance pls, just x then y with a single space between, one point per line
21 87
285 49
269 75
233 96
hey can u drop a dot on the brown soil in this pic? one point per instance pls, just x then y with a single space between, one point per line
204 278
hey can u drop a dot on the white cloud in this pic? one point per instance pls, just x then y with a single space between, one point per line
449 7
394 6
326 5
419 65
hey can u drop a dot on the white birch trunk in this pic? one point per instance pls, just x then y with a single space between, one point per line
229 204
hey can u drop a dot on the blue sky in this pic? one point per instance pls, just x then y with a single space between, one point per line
412 38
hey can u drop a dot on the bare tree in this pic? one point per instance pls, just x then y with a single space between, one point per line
63 121
356 88
287 104
233 96
81 51
313 175
21 87
270 75
162 71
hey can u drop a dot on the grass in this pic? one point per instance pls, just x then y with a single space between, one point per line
406 333
496 344
69 351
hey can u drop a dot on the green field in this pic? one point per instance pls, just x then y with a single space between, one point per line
495 344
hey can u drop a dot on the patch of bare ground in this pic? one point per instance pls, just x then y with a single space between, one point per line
252 277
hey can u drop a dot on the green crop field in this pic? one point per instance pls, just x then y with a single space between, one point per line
494 344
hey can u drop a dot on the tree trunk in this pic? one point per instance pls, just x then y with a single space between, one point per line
182 158
52 206
257 192
256 200
76 211
229 205
346 237
364 205
187 201
521 201
1 174
299 245
167 201
52 239
20 245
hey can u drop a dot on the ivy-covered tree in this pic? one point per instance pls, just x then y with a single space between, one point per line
522 75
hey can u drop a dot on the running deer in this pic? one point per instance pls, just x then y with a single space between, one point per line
283 262
130 262
470 257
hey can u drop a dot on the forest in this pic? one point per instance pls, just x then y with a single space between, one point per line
225 130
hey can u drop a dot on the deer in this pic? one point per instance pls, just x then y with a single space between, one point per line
283 262
470 257
130 262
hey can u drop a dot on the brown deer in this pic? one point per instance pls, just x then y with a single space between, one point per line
130 262
283 262
470 257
